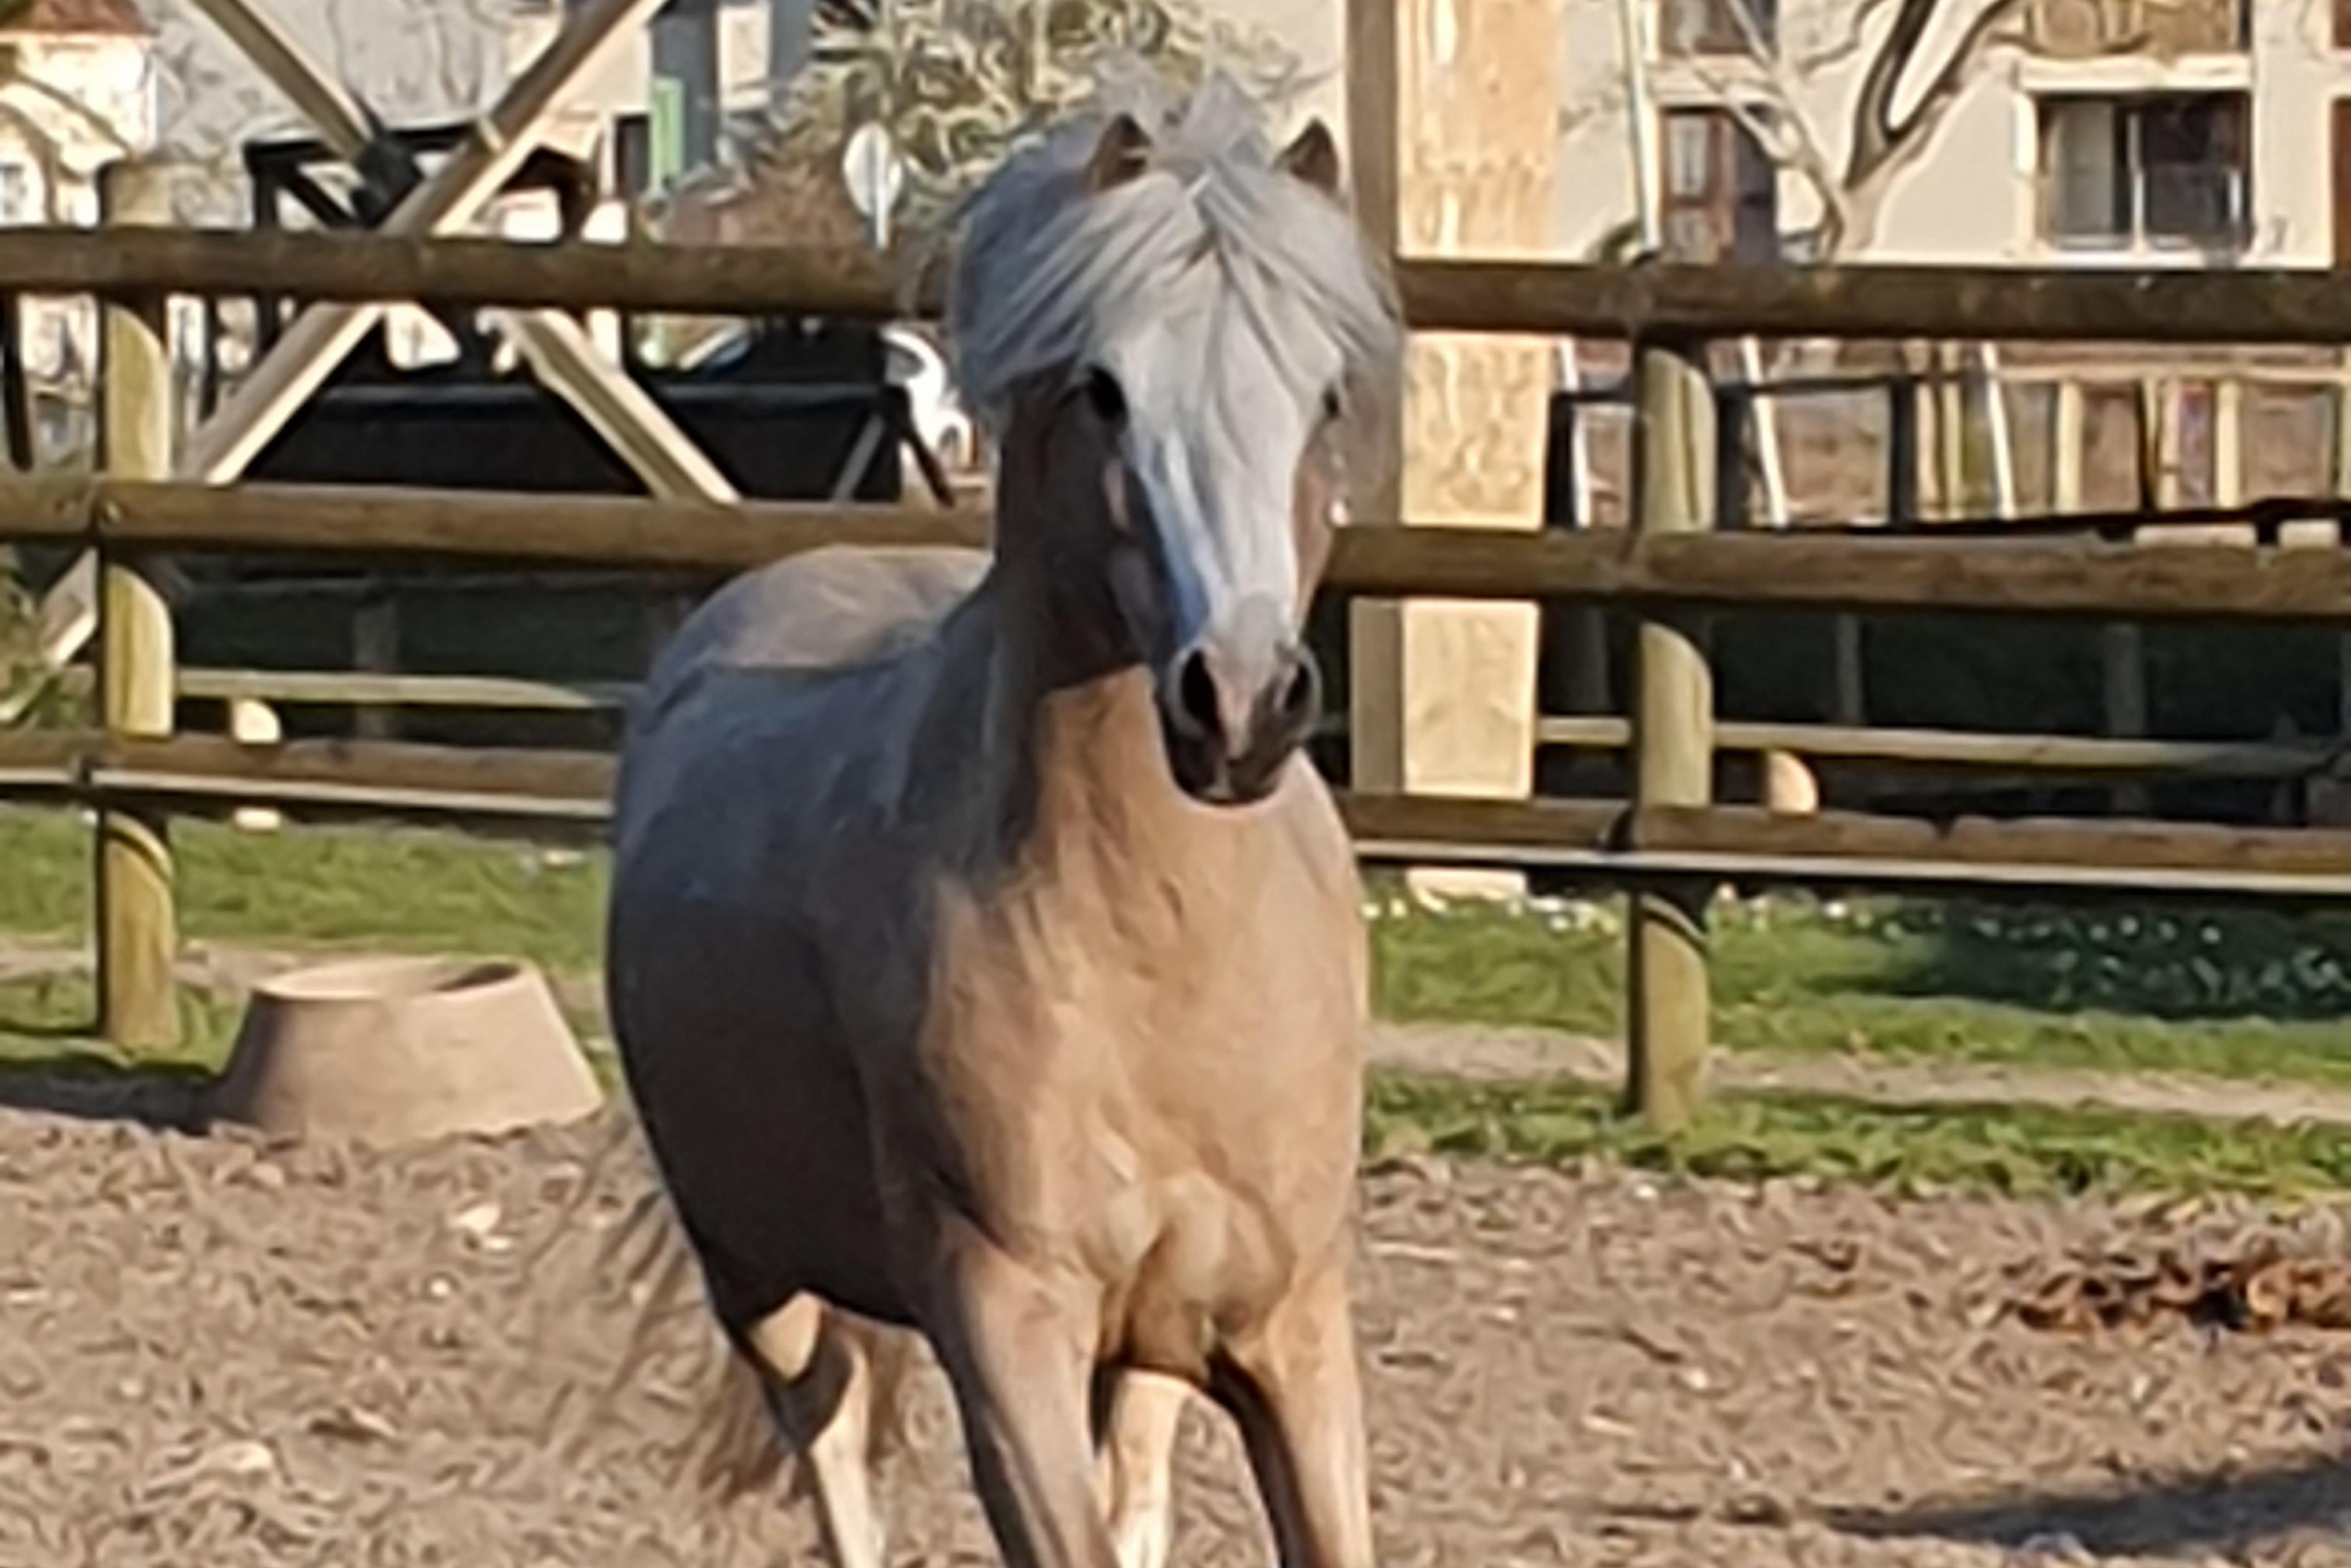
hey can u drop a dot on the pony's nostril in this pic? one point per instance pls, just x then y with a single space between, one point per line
1302 693
1195 695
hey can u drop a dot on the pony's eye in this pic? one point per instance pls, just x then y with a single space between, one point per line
1102 390
1335 407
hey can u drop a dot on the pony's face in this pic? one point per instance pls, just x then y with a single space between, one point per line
1217 414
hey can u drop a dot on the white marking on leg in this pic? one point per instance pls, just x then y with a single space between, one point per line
812 1359
1137 1467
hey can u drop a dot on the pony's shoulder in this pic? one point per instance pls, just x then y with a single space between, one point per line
829 608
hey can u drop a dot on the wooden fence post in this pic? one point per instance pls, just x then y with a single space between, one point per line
1375 627
1902 487
375 650
1734 409
1673 739
138 928
15 392
2122 645
1951 432
2068 431
1848 650
1457 677
2340 396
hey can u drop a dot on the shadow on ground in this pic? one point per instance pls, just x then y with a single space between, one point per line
2174 962
2184 1516
91 1088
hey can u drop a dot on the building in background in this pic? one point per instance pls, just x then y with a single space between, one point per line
78 89
681 95
2195 132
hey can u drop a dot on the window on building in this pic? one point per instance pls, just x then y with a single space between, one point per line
633 154
1721 193
2343 24
2080 29
1686 27
2159 170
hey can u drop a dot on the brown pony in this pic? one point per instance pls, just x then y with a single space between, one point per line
985 956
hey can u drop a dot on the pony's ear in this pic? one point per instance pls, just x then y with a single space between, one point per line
1122 153
1313 158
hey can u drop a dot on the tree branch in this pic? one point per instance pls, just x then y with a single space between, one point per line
44 147
1802 149
89 116
1847 47
1879 137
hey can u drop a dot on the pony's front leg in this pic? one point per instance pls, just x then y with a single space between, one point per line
1294 1391
1019 1350
1135 1440
821 1386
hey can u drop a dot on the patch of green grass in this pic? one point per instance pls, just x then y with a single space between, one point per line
45 873
1475 964
2237 994
394 888
50 1018
2006 1150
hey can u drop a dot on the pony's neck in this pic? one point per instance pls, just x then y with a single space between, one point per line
1071 768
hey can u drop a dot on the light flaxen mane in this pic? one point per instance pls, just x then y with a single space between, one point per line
1046 272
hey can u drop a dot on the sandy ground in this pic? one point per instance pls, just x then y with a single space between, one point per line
216 1352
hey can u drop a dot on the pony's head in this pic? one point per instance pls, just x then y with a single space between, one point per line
1180 335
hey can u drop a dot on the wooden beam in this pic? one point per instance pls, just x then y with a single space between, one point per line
1668 1011
618 532
1751 844
138 936
2068 443
1376 637
1608 839
396 774
567 360
336 688
1998 429
496 146
302 359
375 651
1373 94
379 266
556 346
1800 569
42 762
2058 576
2085 755
15 389
2233 307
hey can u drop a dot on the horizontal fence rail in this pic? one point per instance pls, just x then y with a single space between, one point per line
2029 756
2045 576
1611 839
2249 306
2037 756
360 688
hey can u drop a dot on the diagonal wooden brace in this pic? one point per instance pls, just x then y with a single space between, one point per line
563 355
557 350
451 195
324 335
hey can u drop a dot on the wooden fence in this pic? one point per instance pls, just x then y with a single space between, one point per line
1670 845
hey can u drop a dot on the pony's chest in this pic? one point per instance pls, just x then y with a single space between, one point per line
1164 1091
